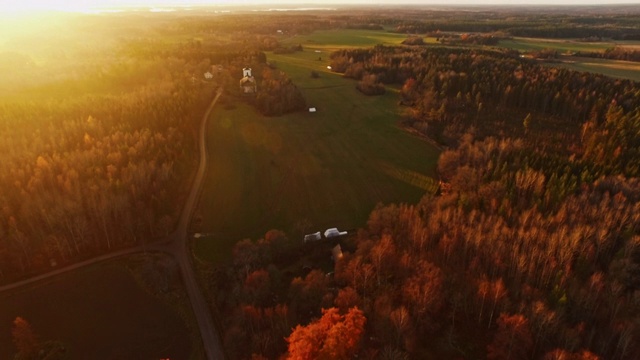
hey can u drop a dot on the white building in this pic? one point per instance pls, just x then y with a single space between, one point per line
333 232
312 237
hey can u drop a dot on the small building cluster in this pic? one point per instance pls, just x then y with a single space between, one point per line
336 251
328 234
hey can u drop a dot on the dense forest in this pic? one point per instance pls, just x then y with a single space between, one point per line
74 168
549 22
453 91
615 53
98 140
469 274
531 250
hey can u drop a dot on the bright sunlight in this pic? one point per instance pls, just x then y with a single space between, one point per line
28 6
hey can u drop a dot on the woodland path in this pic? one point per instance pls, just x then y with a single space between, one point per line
175 244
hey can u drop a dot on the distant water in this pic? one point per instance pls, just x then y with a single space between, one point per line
164 9
298 9
214 9
115 11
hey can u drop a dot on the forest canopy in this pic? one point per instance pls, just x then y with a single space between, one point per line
530 248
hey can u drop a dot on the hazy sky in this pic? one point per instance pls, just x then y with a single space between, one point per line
28 5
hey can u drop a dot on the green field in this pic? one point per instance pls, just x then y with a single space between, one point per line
98 312
562 46
614 68
331 40
306 172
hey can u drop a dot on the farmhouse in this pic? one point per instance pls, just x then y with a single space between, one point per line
333 232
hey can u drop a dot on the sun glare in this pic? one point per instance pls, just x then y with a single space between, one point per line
24 17
30 6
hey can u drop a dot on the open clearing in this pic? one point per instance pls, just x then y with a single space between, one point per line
614 68
560 45
98 312
306 172
331 40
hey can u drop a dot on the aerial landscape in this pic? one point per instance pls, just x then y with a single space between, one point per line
280 180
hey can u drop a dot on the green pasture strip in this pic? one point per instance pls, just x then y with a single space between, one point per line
613 68
529 44
332 40
306 172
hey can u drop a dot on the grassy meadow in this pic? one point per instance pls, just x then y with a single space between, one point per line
98 312
614 68
306 172
331 40
562 46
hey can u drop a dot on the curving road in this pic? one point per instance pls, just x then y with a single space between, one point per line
179 242
175 244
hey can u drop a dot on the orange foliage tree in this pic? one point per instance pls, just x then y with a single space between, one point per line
559 354
24 338
333 336
513 339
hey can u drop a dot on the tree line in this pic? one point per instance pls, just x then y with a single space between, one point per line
84 176
621 25
450 91
614 53
487 269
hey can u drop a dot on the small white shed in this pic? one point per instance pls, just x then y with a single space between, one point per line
312 237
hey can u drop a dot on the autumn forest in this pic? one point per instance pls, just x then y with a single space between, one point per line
528 247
